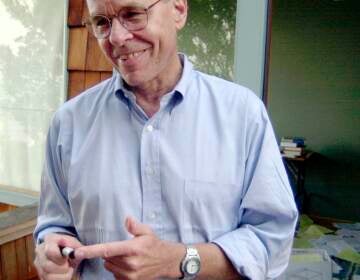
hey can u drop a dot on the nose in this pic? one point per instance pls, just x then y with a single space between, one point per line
119 34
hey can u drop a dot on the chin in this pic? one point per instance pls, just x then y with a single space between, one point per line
133 80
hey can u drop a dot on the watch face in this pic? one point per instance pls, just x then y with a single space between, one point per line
192 266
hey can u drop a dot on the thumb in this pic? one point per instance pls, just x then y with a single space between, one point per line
136 228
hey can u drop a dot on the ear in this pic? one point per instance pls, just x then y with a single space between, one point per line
180 10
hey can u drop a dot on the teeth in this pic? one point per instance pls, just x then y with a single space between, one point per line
131 55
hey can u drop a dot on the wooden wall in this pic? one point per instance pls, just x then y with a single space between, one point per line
6 207
16 259
86 64
17 244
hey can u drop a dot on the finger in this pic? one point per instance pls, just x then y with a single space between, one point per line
105 250
52 252
58 276
52 268
53 244
136 228
69 241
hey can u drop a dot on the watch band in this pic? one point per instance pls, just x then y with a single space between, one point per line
190 265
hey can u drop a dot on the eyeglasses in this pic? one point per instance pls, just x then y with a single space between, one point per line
132 18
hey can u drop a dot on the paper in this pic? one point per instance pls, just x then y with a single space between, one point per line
355 226
349 255
336 246
308 264
351 237
314 231
302 243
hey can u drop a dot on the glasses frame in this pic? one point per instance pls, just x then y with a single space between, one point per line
89 25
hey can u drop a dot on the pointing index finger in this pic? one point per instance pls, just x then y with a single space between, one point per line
104 250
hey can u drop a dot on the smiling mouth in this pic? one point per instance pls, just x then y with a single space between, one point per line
127 56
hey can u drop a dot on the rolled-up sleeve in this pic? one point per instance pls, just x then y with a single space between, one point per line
54 214
260 247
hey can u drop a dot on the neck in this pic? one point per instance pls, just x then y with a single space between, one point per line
148 96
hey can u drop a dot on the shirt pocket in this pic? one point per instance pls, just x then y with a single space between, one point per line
211 208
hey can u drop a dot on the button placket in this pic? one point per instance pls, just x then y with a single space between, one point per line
150 181
150 128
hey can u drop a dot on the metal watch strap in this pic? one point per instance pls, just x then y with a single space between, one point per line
191 253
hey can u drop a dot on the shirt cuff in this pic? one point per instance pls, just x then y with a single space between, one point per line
41 235
240 257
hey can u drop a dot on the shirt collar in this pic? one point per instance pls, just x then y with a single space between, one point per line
179 91
183 84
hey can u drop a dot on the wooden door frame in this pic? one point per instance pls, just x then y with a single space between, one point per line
267 53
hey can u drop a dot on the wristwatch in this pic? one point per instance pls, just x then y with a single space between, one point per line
190 265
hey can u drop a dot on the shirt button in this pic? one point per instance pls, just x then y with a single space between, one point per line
150 128
150 170
152 215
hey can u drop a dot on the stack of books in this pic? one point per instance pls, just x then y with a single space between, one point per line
292 147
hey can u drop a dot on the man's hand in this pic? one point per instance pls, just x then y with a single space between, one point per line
143 257
49 262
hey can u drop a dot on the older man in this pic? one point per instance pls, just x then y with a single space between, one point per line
161 172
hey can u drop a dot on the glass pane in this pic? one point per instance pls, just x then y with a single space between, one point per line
31 85
209 35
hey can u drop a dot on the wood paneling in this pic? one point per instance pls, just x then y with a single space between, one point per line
76 10
87 64
30 255
78 37
105 75
95 59
92 78
76 83
17 259
16 243
6 207
21 258
8 261
82 80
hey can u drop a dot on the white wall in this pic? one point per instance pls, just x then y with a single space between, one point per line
250 41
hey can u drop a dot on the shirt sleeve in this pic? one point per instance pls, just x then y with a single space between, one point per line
54 214
260 247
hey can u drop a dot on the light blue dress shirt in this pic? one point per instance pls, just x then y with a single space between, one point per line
205 168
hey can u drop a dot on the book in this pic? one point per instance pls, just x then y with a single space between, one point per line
300 141
297 149
292 153
288 156
288 144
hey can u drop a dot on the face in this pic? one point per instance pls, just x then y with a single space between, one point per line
146 55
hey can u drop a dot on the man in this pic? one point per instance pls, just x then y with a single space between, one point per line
161 172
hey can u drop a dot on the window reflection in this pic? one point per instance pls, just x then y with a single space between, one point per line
208 38
31 85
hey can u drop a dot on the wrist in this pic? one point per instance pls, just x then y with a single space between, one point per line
175 252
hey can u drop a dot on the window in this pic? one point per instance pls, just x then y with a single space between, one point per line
209 35
32 85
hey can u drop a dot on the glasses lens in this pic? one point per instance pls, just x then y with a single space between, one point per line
100 26
133 18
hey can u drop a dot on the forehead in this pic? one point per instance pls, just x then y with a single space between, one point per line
96 6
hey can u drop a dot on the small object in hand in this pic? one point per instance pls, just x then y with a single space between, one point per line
67 252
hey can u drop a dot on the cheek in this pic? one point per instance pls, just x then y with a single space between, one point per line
105 47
